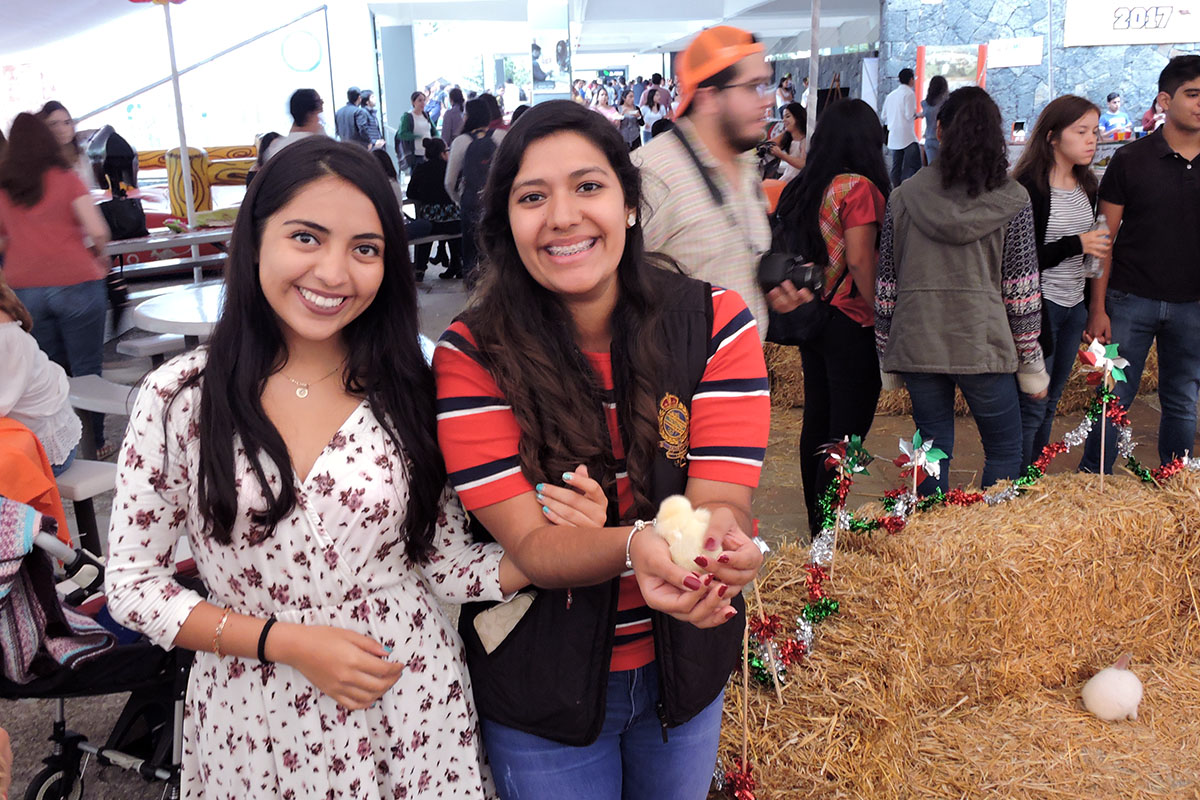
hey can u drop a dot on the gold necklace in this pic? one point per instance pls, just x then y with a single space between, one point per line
302 388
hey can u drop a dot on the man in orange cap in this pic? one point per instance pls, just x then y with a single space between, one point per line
703 195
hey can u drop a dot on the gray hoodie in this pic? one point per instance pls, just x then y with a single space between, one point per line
966 287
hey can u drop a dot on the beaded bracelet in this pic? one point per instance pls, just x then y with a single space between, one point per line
638 525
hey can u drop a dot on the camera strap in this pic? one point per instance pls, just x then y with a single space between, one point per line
715 191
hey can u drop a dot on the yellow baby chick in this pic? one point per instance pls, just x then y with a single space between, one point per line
684 528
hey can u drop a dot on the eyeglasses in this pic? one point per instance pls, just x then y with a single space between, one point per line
760 87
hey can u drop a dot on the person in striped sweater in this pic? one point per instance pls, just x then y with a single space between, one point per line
583 365
957 296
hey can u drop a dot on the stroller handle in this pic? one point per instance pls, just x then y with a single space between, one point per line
75 562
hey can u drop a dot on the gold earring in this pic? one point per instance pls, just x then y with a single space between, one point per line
631 220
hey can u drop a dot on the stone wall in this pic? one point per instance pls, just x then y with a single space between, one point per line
850 65
1021 92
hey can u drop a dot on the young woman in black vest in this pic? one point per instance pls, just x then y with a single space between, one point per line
585 362
1056 170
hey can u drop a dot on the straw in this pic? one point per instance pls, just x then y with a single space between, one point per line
954 666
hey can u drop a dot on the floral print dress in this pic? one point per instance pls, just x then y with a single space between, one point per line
339 559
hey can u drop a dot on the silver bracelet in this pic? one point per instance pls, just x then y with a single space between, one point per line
637 526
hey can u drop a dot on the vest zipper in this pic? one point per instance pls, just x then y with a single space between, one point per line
659 706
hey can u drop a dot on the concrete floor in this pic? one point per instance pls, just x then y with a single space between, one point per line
778 502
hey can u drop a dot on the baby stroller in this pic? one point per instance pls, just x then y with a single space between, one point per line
147 738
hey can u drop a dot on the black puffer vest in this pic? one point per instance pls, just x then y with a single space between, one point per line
549 677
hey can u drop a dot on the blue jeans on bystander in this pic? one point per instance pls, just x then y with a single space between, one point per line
68 324
629 760
1037 416
1136 323
992 398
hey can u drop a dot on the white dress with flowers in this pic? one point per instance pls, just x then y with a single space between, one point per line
339 559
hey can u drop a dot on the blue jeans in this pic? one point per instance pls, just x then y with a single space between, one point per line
59 469
905 163
1136 323
629 760
992 398
1037 416
68 324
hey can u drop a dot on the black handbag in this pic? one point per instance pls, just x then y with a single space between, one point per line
125 217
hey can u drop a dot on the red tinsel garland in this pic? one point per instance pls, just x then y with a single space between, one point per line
816 576
739 783
765 629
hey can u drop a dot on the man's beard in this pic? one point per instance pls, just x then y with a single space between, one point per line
737 141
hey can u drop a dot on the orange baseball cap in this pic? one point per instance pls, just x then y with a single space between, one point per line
711 51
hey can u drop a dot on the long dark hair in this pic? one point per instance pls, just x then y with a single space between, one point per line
49 108
849 139
493 106
938 88
801 116
384 360
973 153
476 115
526 336
32 150
1038 159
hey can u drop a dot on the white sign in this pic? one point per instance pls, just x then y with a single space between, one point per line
1023 52
1099 22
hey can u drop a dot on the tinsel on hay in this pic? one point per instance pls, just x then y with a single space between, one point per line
768 659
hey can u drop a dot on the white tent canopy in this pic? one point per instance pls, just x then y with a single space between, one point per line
28 25
637 26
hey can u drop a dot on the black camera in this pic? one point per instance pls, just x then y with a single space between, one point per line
775 268
763 149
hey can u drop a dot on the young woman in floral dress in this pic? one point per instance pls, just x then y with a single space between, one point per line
297 454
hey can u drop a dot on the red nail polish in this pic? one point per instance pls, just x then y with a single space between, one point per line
730 614
692 582
708 579
723 558
721 592
702 561
710 543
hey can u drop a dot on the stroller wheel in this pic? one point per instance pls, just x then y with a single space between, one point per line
49 784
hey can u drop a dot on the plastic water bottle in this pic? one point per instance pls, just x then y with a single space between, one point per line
1092 268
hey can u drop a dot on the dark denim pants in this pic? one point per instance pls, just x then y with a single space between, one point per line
68 324
629 761
992 398
841 390
1037 416
1136 323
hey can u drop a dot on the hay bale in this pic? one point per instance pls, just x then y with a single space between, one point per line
785 375
787 386
955 665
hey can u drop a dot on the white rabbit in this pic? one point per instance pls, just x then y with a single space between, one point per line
684 528
1114 693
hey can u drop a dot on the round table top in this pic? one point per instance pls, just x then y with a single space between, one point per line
191 310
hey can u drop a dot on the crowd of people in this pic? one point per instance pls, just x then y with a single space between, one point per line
336 489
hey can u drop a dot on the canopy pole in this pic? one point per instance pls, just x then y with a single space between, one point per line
186 164
814 71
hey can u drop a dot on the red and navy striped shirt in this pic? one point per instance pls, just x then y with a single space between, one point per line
730 421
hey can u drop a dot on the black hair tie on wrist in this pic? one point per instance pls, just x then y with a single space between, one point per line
262 640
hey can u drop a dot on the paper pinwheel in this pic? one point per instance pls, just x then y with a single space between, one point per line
920 455
848 454
1102 360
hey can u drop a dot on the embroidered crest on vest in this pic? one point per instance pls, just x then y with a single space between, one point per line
674 424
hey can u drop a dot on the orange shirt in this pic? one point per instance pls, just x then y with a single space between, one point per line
45 242
730 419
